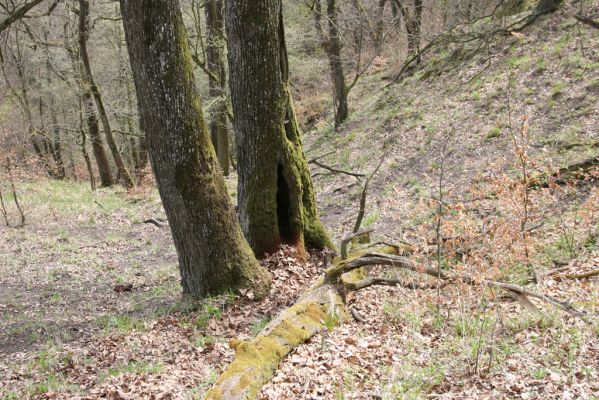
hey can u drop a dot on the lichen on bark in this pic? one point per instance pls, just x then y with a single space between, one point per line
275 193
213 254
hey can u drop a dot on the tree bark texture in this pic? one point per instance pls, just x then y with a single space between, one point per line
275 194
213 255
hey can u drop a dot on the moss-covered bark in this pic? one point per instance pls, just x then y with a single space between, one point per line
257 360
275 194
213 255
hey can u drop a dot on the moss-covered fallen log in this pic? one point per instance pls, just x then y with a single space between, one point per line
256 360
320 307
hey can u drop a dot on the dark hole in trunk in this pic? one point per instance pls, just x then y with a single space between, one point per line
283 207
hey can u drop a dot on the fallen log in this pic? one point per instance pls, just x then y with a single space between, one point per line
323 306
257 360
320 307
575 171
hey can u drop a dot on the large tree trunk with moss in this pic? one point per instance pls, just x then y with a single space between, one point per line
88 80
215 62
213 255
332 46
275 194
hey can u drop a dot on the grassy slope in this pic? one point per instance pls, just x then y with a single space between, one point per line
554 71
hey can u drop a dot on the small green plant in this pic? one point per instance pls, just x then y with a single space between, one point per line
476 96
331 321
259 325
540 373
371 219
493 133
541 66
557 89
119 323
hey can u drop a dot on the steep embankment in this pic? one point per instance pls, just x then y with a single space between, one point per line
548 73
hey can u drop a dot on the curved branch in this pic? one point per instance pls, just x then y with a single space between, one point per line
18 14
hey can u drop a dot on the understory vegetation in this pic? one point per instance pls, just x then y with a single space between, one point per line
480 164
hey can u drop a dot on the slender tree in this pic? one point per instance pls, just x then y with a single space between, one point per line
332 46
88 112
213 255
275 194
88 80
215 62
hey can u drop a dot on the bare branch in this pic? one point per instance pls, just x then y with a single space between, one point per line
18 14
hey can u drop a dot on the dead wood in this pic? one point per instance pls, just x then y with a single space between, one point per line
583 275
349 238
588 21
153 222
336 170
575 171
257 360
403 262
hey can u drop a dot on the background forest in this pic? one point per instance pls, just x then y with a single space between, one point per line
453 147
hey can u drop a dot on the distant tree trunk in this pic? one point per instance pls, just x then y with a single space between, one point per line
213 255
412 22
332 46
38 142
126 117
106 178
89 81
87 112
56 144
88 163
215 62
275 194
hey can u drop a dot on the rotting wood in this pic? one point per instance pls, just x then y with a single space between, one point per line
575 171
324 305
257 360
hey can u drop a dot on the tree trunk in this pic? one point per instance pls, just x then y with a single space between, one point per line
38 141
88 80
88 163
88 113
215 60
275 194
56 146
213 255
332 46
106 178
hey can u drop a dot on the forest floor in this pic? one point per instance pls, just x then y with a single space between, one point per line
90 301
91 308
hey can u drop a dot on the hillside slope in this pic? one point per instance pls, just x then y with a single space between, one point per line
548 74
